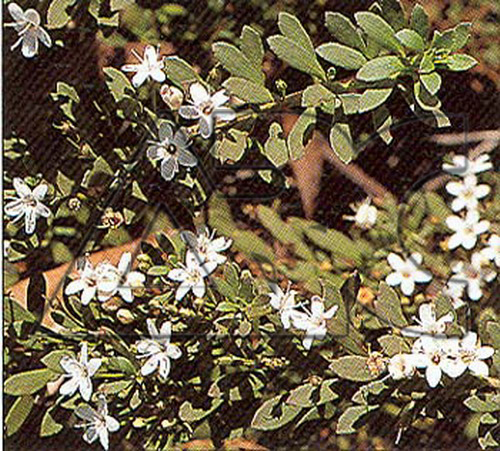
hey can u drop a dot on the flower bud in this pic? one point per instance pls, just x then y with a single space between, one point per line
172 96
125 316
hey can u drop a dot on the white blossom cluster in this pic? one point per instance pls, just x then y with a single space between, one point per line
468 228
437 353
312 320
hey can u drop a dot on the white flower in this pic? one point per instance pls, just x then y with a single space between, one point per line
98 423
29 30
158 350
80 373
128 280
284 302
366 214
206 247
467 193
472 275
149 67
466 229
492 252
191 276
427 322
407 272
171 150
86 282
471 355
28 204
436 356
463 167
313 322
455 293
402 366
206 108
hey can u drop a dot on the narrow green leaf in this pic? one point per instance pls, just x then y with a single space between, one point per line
373 98
453 39
380 68
345 424
318 96
291 27
57 16
426 64
388 307
297 135
392 11
275 146
344 30
248 91
341 55
28 382
341 142
251 45
460 62
410 39
353 368
236 63
231 147
180 72
419 21
379 30
52 359
268 417
49 426
432 82
65 184
424 98
392 345
18 414
491 403
350 103
118 83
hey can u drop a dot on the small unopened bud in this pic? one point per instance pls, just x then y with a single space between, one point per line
376 363
111 219
125 316
74 204
172 96
111 305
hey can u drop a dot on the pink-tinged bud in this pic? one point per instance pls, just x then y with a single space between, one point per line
172 96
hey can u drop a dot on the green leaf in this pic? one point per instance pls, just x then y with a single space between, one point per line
345 424
121 364
296 137
49 425
318 96
190 414
28 382
419 21
453 39
236 63
491 403
388 307
275 147
382 121
424 98
410 39
158 271
392 345
301 396
290 52
52 360
18 413
380 68
373 98
65 90
269 416
231 147
118 83
393 12
57 17
248 90
353 368
291 27
65 184
432 82
341 55
460 62
251 45
180 72
344 30
379 30
341 142
426 64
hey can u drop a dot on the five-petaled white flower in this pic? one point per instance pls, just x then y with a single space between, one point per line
436 356
171 150
467 193
472 275
314 321
158 350
463 167
428 324
469 354
191 276
455 293
86 282
149 67
28 204
98 423
466 229
206 247
366 214
126 279
492 251
407 272
284 302
29 30
402 366
206 108
80 373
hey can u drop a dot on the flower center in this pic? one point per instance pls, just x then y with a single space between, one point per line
171 149
207 108
29 201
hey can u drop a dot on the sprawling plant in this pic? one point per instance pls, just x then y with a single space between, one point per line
223 333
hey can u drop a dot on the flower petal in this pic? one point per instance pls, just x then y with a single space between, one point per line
198 93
